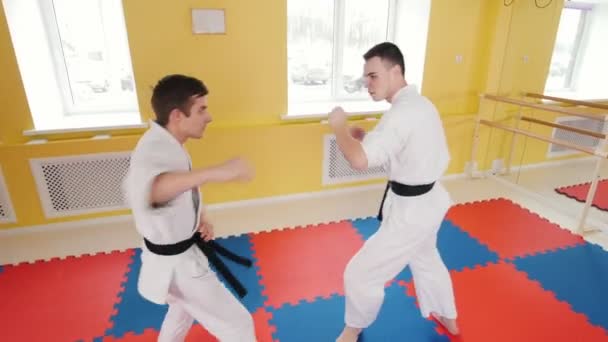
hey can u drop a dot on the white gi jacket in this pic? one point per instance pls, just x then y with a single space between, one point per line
158 152
410 142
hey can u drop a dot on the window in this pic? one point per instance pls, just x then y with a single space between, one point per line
75 63
569 35
578 65
326 42
92 57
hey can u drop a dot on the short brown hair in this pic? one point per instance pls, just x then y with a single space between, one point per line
175 91
388 52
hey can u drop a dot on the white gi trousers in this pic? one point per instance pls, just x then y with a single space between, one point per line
407 235
197 293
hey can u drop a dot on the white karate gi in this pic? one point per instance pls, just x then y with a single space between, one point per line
409 141
184 281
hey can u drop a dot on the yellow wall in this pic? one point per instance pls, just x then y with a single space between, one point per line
519 56
246 73
244 69
465 29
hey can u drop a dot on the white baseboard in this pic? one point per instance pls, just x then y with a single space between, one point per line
128 219
552 163
541 165
292 197
67 225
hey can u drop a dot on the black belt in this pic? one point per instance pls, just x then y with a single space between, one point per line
209 248
404 190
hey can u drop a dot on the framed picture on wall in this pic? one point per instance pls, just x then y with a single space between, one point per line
208 21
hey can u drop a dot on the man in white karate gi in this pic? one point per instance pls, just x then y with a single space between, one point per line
409 141
162 190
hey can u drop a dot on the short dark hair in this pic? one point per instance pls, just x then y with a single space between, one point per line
388 52
175 91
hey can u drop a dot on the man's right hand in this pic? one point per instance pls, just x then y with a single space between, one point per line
236 169
169 185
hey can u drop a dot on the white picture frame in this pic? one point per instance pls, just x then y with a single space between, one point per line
208 21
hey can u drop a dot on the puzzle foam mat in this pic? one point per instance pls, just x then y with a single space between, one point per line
517 277
579 193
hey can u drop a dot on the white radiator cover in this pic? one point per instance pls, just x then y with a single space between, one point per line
7 214
336 169
578 139
81 184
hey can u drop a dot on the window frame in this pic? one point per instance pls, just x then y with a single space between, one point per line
305 109
581 33
339 45
28 23
51 25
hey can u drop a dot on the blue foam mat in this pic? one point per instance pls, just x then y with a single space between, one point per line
577 275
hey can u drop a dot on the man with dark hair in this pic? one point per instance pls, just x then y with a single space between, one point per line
410 143
162 190
175 91
388 53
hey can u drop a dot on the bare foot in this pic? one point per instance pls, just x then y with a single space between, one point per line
349 335
449 324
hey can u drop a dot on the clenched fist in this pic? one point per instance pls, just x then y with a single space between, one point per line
337 118
236 169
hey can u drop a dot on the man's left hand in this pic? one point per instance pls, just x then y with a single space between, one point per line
337 118
206 229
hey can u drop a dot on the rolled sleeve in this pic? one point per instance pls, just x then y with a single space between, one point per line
141 176
382 143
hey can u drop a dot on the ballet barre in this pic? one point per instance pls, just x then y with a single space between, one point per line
565 128
588 104
601 151
543 107
559 142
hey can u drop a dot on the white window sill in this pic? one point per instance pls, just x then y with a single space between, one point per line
89 123
320 110
39 132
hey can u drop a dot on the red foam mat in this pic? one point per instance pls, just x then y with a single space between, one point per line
302 264
509 229
198 334
499 303
65 300
579 193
